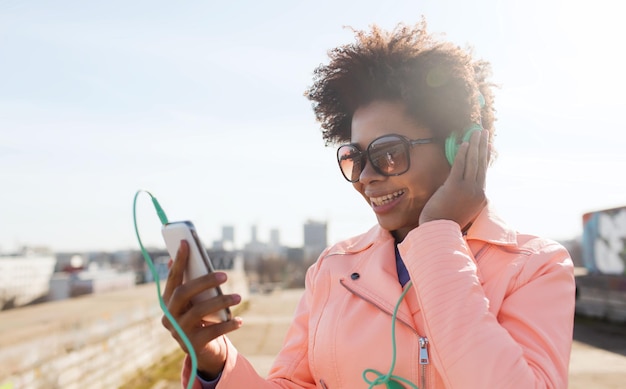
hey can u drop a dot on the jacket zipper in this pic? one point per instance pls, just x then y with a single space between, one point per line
323 384
423 341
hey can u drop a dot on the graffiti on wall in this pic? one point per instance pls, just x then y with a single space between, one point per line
604 241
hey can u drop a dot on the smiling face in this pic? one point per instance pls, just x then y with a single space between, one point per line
398 201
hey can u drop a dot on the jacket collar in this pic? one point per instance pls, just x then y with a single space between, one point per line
361 242
487 227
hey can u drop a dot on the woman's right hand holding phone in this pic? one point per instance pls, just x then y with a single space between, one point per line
205 336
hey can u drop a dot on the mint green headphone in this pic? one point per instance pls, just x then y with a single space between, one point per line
454 141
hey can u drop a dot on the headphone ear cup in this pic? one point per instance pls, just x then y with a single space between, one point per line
452 147
452 144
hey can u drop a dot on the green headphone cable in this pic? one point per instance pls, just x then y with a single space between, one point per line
389 379
155 276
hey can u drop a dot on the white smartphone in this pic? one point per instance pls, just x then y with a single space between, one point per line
199 262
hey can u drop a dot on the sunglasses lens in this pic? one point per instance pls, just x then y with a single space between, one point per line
389 155
349 158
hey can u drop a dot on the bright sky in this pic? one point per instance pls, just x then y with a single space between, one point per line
202 103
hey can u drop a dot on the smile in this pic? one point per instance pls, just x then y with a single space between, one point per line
382 200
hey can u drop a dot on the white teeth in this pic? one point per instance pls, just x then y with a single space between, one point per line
377 201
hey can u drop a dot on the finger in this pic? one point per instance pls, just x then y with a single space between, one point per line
471 160
213 331
181 300
200 335
483 159
458 167
458 164
200 284
212 310
191 322
176 272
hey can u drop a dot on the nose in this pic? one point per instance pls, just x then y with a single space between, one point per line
369 174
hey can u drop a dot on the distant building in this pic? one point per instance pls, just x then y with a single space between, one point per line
274 238
315 240
227 242
253 235
315 234
254 250
275 249
228 234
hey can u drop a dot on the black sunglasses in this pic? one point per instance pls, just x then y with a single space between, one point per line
388 154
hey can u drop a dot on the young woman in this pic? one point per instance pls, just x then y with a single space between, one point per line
472 303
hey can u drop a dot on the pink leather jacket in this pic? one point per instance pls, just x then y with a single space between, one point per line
490 310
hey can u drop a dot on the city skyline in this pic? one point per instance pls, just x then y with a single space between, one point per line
270 237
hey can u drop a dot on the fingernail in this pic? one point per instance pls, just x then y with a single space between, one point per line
221 277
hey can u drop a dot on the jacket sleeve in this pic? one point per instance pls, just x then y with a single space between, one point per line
290 369
525 344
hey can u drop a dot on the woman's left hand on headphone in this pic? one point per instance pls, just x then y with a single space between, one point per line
462 196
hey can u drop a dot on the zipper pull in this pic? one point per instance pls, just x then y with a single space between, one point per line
423 342
323 384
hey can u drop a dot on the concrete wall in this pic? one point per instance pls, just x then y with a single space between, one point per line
95 341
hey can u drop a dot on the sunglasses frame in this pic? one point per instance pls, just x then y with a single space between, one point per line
366 156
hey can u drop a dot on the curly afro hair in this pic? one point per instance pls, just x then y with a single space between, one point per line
439 82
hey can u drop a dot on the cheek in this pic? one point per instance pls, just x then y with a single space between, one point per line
437 161
426 179
359 188
440 174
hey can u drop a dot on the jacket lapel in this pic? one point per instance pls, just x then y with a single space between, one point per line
375 279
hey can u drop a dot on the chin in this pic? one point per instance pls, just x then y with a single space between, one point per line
388 224
394 227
